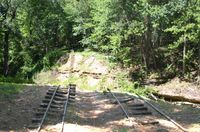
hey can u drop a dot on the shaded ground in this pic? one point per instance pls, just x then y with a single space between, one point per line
16 113
92 112
185 113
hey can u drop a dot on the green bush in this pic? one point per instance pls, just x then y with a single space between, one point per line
51 58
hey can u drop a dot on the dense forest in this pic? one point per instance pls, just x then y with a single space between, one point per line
147 36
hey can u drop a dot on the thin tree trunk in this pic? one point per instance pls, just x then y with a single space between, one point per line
6 53
143 52
147 42
184 55
46 48
198 76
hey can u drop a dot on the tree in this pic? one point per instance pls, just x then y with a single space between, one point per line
8 15
156 35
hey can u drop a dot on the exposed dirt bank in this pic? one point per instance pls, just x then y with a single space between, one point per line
177 90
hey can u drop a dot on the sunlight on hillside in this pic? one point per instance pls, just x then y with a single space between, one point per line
90 70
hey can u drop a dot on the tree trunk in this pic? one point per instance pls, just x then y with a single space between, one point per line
143 53
198 76
147 43
6 53
184 55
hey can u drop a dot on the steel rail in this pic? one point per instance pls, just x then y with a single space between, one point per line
45 114
65 108
122 108
163 114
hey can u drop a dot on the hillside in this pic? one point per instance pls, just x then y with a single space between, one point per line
89 70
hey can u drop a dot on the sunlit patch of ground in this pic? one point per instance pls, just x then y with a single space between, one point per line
68 127
166 123
194 127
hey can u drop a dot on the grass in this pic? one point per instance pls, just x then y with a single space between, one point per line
44 77
7 90
15 80
88 53
121 130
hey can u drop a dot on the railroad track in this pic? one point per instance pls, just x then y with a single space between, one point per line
54 107
139 108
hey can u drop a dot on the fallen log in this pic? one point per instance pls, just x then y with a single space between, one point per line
148 122
195 105
177 98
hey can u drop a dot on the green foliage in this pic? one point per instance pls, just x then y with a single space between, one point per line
133 87
38 30
109 28
51 58
118 27
132 33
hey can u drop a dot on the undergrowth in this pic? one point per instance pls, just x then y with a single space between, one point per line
126 85
16 79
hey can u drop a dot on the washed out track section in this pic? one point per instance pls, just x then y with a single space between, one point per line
137 109
53 107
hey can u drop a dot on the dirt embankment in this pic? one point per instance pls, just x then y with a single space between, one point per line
90 71
177 90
